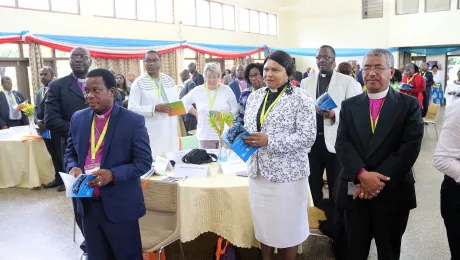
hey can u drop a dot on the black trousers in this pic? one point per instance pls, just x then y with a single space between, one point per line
363 224
320 158
426 100
78 219
108 240
53 146
450 211
190 124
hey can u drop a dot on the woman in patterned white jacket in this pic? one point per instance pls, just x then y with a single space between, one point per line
282 121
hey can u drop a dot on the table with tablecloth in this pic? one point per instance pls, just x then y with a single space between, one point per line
23 164
218 204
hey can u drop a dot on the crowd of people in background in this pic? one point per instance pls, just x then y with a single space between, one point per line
368 168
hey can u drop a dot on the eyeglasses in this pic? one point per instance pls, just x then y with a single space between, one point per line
376 69
253 76
326 58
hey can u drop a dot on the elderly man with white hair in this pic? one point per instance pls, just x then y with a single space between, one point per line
211 96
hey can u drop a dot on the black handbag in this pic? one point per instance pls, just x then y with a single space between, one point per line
199 156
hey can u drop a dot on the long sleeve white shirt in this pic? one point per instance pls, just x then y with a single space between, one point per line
447 154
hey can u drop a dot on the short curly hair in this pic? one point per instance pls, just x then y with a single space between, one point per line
250 67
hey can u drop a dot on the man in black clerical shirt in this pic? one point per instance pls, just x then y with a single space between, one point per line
196 76
340 87
190 121
428 76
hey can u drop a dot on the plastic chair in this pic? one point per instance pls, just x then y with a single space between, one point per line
430 118
160 226
188 142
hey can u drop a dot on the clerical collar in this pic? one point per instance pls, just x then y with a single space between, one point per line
106 114
79 79
327 74
276 90
379 95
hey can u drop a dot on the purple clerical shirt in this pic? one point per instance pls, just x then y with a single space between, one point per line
80 84
99 122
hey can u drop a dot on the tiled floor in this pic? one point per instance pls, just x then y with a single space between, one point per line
38 224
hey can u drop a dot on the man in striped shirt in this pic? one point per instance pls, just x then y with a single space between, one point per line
150 95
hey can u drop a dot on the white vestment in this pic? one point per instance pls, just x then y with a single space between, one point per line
162 128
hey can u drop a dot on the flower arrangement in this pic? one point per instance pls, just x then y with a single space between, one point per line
28 109
218 120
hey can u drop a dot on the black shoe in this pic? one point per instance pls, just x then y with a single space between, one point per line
61 188
50 185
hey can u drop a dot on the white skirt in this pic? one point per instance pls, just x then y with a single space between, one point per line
279 211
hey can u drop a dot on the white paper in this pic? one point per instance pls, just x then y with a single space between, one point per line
177 156
68 182
191 171
161 165
234 167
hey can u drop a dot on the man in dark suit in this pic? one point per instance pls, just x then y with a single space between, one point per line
196 76
239 84
428 76
53 145
9 100
111 216
378 141
65 97
190 121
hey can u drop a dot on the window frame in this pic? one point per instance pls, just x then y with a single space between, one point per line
114 13
363 10
223 18
258 15
50 8
396 8
448 8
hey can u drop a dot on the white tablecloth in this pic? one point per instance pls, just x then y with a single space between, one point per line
23 164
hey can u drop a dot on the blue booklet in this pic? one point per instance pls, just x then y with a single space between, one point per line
325 102
78 187
46 134
405 86
233 137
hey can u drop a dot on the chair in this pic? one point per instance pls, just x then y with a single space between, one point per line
430 118
188 142
160 226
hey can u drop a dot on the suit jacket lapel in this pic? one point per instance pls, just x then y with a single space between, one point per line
110 131
85 132
388 115
74 87
361 118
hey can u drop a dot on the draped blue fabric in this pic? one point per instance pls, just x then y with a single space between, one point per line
431 50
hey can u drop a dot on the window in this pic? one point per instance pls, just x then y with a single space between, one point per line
407 6
202 13
9 50
254 21
437 5
258 57
244 20
205 13
189 57
64 6
217 18
144 10
372 9
258 22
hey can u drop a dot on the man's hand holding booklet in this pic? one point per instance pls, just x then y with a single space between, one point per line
324 102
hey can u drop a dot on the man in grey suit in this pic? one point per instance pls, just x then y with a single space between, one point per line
9 100
53 145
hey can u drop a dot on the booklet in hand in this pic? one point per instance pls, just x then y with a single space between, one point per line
325 102
45 135
405 86
233 137
78 187
178 108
